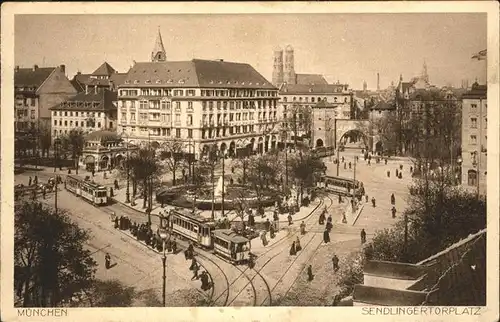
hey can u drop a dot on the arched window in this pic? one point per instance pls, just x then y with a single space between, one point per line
472 177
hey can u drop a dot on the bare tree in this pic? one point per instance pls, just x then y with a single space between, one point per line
172 155
298 118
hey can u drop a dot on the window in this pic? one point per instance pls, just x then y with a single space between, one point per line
472 177
132 117
177 133
32 102
473 123
177 106
177 118
60 123
473 139
124 116
190 92
473 107
76 123
71 123
65 123
485 123
65 113
190 133
32 114
55 122
190 119
190 106
99 124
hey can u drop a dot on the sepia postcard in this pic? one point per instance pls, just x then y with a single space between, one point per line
250 161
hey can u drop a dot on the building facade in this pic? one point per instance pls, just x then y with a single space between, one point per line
474 138
104 77
199 103
105 150
92 110
325 103
36 90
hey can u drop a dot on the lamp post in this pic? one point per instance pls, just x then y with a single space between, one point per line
57 142
222 154
164 237
127 194
459 162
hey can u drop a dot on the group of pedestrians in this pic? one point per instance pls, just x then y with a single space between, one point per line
195 267
296 247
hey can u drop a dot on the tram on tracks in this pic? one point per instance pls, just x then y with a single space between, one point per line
341 185
86 189
201 231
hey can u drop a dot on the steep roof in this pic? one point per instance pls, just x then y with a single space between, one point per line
104 70
31 76
477 91
80 80
158 44
103 97
310 79
383 106
290 89
196 73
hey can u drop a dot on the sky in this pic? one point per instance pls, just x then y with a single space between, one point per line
350 48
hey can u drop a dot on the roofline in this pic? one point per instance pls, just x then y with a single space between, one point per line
52 72
272 88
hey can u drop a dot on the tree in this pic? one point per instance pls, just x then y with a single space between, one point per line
350 273
305 168
172 155
243 163
74 141
44 140
51 264
387 128
263 173
143 167
298 118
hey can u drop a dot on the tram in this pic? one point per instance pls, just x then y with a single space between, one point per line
201 231
231 246
340 185
191 226
88 190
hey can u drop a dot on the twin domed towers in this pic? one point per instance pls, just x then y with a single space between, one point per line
284 74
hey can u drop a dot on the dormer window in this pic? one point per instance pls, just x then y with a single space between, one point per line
181 81
136 81
127 81
211 82
170 81
228 82
148 81
158 81
220 82
257 84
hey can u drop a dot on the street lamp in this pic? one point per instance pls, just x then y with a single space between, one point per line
459 162
127 198
57 142
222 154
162 231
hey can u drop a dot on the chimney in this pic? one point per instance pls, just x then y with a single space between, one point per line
35 67
63 69
86 89
78 73
17 68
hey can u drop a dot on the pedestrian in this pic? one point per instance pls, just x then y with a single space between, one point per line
397 172
29 182
385 161
322 219
329 226
373 202
342 159
289 219
107 260
366 198
104 175
297 244
34 194
326 236
350 165
251 219
363 236
302 228
193 263
271 231
329 219
276 220
400 175
116 184
310 275
204 281
393 210
401 167
267 224
44 191
292 249
335 262
195 271
174 246
263 238
369 161
36 180
411 169
388 173
345 166
93 173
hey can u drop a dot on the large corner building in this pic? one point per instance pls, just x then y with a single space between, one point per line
199 103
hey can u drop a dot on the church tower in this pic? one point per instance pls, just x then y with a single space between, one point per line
278 67
158 54
289 72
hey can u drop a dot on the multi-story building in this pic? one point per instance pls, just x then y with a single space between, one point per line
474 138
104 76
325 102
92 110
199 103
36 90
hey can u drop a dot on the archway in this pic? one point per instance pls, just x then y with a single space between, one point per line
319 143
119 160
232 149
223 146
89 162
260 145
252 144
273 142
472 177
354 139
103 164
